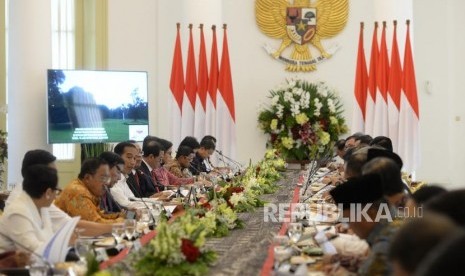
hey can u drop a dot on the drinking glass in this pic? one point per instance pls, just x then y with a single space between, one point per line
82 247
130 228
145 215
117 230
144 221
295 231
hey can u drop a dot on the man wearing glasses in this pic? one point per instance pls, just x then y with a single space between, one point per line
82 196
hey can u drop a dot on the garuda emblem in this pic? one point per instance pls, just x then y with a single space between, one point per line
301 23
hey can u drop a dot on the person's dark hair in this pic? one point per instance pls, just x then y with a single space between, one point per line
208 137
191 142
38 178
165 144
382 141
364 139
148 139
426 193
355 161
389 172
410 246
119 148
35 157
111 158
447 258
183 151
152 147
450 204
90 166
208 144
340 144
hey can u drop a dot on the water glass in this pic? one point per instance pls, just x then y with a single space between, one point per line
295 231
82 248
130 228
117 230
144 215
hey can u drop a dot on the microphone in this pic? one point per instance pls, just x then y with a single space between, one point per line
234 162
49 266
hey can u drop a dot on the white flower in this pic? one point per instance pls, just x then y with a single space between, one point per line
318 106
288 97
305 100
280 110
292 83
295 109
331 106
297 91
275 100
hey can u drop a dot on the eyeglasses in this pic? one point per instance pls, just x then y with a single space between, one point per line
105 179
57 191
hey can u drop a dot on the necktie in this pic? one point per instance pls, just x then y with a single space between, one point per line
154 177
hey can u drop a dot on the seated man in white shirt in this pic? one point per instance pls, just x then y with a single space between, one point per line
121 192
57 216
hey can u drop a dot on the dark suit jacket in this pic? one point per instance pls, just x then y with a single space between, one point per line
108 203
197 165
140 185
158 186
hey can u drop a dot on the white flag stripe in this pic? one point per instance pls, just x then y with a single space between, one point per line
380 126
370 115
187 118
210 117
225 129
199 123
175 122
409 136
393 121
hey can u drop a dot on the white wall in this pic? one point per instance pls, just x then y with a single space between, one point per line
141 37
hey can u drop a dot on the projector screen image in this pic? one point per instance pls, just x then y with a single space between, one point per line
96 106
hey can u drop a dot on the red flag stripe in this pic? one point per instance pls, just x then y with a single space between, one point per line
361 76
395 75
409 81
225 80
191 73
177 72
202 82
382 72
214 71
373 63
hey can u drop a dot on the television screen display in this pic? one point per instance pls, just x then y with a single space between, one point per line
96 106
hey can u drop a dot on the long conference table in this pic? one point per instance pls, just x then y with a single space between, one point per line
244 251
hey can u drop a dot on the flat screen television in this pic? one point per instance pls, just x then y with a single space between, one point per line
96 106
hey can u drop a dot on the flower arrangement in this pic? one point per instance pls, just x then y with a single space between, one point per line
303 120
177 249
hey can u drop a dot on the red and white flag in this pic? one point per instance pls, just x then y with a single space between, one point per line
380 127
394 88
372 85
177 89
210 121
225 109
202 87
409 118
188 106
360 90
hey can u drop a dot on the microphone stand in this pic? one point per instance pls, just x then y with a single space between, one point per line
236 164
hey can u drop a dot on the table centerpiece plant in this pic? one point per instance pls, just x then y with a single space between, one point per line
303 119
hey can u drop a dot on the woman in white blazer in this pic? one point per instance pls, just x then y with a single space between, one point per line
26 221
